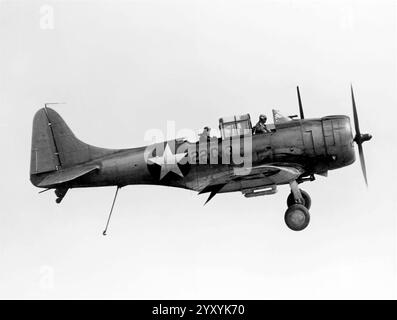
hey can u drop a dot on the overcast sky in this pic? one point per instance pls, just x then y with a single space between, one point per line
124 67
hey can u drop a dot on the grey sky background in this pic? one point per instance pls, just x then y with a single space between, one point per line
127 66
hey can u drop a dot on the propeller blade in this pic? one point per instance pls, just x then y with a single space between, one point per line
362 161
359 138
356 124
300 103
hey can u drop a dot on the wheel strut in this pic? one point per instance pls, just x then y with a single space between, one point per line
296 192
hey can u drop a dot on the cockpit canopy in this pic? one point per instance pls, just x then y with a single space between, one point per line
242 125
235 126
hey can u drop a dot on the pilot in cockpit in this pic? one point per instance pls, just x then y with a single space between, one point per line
261 127
205 135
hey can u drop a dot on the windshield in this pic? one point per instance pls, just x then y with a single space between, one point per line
279 117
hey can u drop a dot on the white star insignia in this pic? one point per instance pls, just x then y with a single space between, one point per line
168 162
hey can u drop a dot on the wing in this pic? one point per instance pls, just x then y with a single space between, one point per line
253 177
269 174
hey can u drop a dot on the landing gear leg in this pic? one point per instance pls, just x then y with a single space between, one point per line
298 196
296 192
297 216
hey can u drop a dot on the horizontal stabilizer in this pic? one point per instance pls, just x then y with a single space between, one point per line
66 175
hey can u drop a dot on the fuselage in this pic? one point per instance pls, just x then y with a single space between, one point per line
316 145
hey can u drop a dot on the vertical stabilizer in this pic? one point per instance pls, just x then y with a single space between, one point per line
56 148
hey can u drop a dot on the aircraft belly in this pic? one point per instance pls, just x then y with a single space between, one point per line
191 179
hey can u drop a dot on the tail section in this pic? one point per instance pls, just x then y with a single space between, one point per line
56 148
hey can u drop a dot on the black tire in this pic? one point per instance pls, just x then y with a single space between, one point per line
297 217
307 202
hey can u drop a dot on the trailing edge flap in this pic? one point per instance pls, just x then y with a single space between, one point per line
214 189
66 175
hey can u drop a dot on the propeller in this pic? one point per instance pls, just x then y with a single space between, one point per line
359 138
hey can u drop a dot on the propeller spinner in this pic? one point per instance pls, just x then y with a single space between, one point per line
359 138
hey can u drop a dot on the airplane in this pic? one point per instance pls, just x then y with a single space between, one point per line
292 152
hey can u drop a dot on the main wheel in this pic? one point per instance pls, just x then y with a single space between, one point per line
307 202
297 217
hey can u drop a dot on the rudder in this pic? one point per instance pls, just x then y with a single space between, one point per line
44 154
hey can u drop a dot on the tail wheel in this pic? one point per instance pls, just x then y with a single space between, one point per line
297 217
307 202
